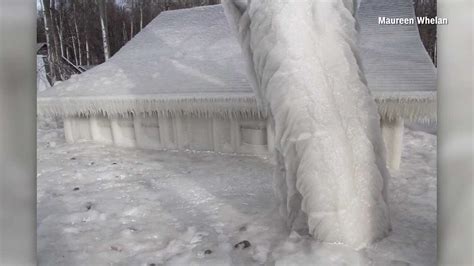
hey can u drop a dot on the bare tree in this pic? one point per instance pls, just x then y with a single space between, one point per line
54 58
124 33
88 54
132 10
85 20
76 28
90 31
141 15
59 29
104 27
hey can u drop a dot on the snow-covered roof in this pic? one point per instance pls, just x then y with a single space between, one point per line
393 56
397 67
188 62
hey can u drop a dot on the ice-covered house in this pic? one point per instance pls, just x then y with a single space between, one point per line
181 84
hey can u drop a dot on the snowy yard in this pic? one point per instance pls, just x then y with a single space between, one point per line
101 205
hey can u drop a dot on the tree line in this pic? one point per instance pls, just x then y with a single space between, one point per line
427 32
83 33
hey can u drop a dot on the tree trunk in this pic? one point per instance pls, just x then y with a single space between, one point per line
141 16
47 30
74 49
131 20
56 49
86 35
53 42
77 34
103 25
61 43
88 55
124 33
59 26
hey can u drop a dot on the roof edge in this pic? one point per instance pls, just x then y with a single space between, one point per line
411 106
230 106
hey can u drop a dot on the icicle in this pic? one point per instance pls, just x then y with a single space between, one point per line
411 106
239 106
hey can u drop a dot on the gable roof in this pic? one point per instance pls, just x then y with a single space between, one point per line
187 62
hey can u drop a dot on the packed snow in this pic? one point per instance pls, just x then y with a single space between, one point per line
100 205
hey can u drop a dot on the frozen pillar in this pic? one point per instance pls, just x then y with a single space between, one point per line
77 128
68 130
123 131
147 132
392 132
101 130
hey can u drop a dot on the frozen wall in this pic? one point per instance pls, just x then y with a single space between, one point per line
165 133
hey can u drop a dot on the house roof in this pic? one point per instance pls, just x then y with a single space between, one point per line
187 62
393 56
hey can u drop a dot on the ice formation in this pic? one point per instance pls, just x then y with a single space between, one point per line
302 62
187 62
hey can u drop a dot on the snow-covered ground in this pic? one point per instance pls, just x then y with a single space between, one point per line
101 205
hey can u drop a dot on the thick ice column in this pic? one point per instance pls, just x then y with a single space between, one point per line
101 129
222 135
331 176
392 131
76 129
123 131
270 136
167 133
147 132
68 130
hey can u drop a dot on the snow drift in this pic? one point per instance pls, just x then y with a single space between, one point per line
301 60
